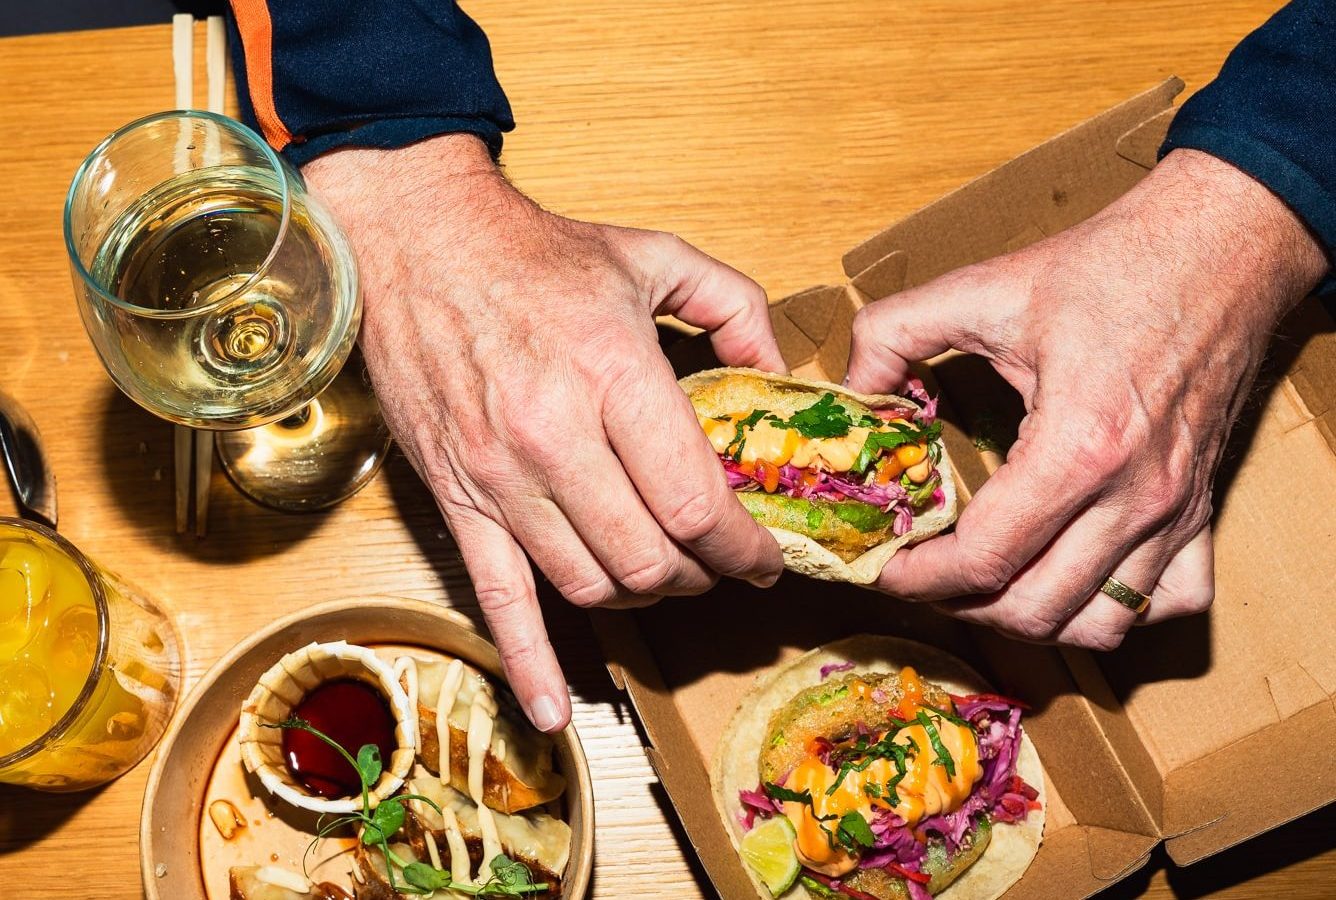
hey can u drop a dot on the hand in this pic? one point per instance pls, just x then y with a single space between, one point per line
515 356
1133 339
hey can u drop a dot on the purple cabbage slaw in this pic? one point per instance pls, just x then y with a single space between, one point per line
1000 794
830 669
837 486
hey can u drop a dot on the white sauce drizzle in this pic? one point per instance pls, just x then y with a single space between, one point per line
482 716
459 850
445 702
432 853
406 673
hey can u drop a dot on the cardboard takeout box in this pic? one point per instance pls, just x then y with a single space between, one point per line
1199 732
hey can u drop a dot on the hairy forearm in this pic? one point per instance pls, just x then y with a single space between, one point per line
448 180
1203 219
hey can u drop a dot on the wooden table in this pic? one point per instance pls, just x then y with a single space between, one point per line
772 133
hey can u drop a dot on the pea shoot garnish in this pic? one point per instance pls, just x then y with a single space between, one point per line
509 878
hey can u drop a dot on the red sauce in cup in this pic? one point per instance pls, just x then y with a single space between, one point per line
352 713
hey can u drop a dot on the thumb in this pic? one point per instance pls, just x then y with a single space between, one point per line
962 310
702 291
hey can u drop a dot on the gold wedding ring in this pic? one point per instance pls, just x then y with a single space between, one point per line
1129 597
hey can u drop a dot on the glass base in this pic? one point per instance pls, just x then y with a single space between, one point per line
319 456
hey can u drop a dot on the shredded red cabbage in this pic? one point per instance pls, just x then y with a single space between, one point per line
1001 793
829 668
834 486
756 803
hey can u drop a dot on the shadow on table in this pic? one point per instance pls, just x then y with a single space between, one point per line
1292 844
28 816
136 450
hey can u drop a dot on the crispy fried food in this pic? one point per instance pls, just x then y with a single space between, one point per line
833 710
517 767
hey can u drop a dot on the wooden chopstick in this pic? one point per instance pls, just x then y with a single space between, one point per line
215 65
183 70
193 449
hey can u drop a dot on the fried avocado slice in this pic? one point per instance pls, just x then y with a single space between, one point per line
942 868
833 710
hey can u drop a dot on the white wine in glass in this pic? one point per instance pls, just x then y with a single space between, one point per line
221 295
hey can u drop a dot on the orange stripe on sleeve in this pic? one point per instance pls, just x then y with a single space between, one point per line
257 34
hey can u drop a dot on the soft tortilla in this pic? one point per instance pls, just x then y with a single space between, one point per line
734 766
802 553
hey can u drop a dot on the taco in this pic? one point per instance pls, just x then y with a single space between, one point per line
879 769
842 480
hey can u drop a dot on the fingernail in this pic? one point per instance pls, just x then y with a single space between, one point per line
545 714
764 581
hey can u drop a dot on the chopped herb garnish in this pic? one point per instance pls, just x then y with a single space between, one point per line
854 831
824 418
900 434
783 794
943 757
862 754
950 717
735 446
872 789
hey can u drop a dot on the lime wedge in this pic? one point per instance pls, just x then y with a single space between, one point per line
768 849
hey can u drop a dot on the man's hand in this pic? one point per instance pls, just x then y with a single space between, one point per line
516 359
1133 339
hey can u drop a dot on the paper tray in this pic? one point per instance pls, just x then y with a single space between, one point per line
1163 739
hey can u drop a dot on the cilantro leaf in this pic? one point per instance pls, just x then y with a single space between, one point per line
854 831
824 418
900 434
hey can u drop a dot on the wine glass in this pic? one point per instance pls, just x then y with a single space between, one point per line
220 294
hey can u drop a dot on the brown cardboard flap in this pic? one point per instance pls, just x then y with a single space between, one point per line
1208 812
1312 376
1141 145
1057 184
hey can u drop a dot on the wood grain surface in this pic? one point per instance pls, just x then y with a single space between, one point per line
774 134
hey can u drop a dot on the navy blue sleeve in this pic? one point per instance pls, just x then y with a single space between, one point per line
1271 112
315 75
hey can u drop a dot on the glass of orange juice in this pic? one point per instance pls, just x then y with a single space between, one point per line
89 668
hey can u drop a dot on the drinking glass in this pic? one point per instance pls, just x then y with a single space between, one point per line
220 294
90 668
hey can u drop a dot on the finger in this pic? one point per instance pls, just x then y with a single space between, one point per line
566 560
660 443
592 491
1014 516
1191 590
1058 595
504 586
702 291
1187 585
960 310
1050 600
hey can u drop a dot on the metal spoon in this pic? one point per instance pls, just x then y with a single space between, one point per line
29 471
